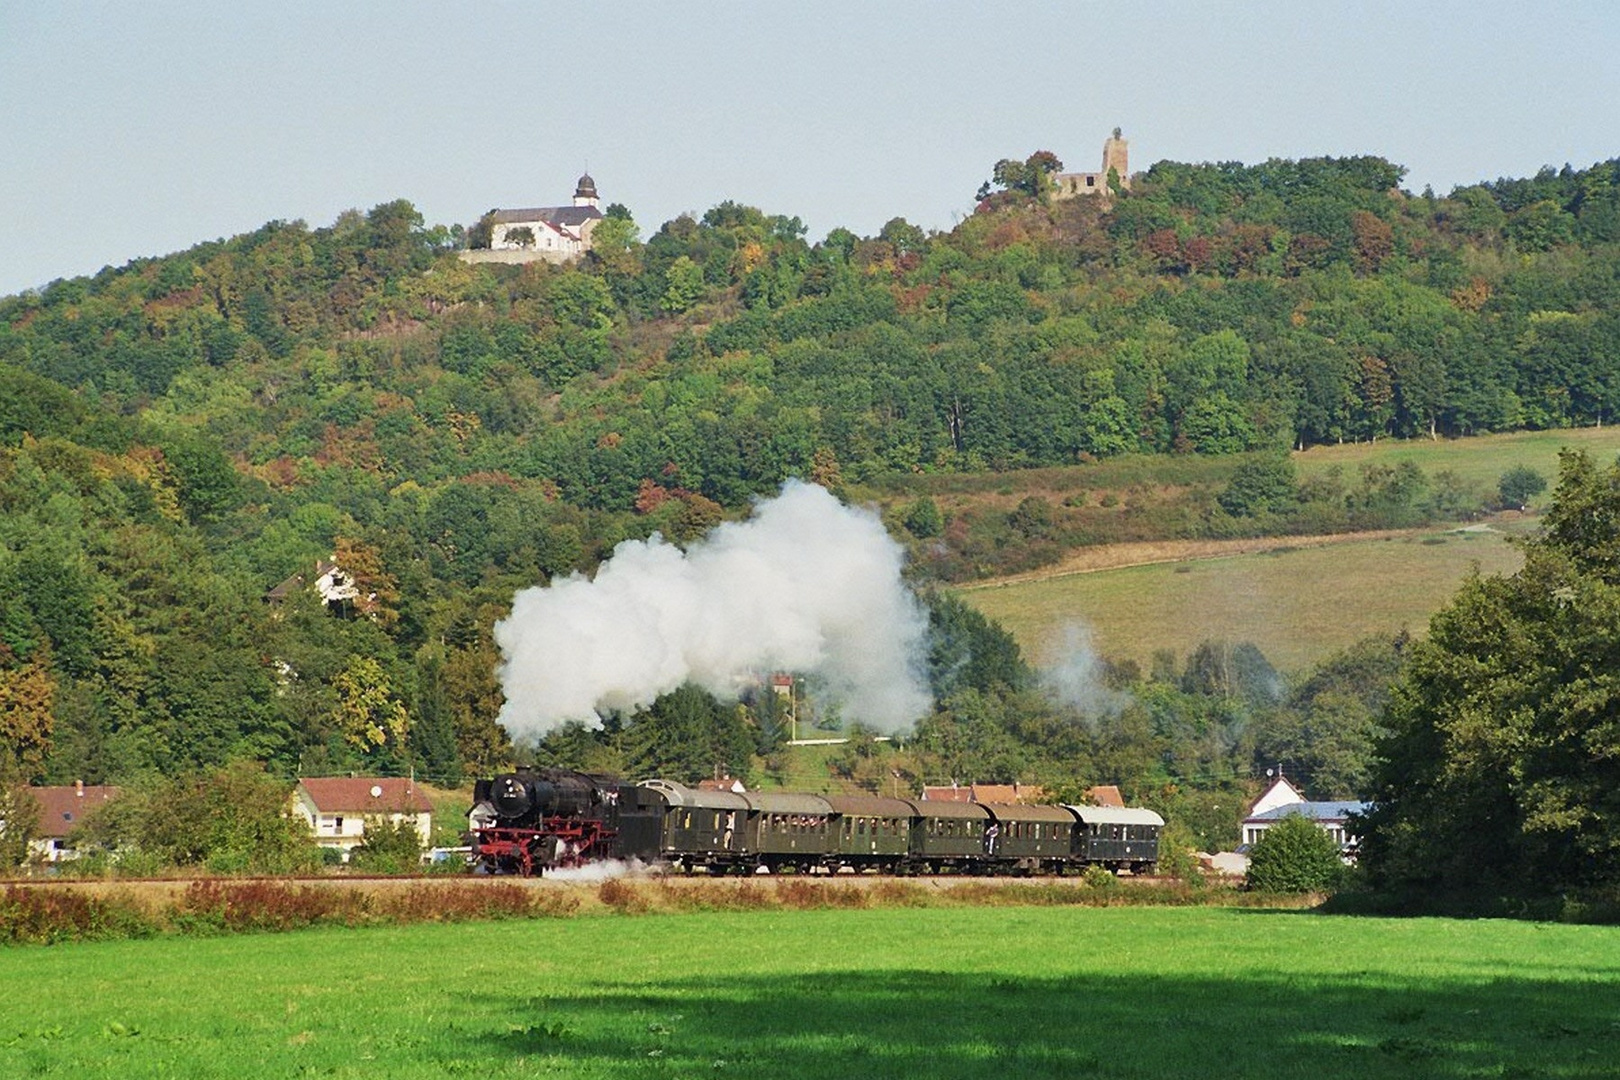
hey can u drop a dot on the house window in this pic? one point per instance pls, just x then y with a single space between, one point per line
337 826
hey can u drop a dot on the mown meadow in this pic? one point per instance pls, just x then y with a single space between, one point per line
1022 991
1299 601
1298 604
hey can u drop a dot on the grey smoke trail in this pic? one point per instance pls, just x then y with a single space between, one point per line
1073 674
806 585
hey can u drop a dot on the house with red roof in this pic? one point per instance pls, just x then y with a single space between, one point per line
1014 793
337 808
61 810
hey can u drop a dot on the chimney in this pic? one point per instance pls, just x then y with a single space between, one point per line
78 788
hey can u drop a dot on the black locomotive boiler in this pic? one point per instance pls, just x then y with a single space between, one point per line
533 820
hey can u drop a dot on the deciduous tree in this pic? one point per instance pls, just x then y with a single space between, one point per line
1501 769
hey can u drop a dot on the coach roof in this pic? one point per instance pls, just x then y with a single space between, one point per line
1116 815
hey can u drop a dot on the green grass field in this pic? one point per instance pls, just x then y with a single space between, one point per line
1481 460
1298 605
1014 992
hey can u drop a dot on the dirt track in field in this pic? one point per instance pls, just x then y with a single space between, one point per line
1090 560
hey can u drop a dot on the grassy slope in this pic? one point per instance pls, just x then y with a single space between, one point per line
1298 605
1482 460
1027 992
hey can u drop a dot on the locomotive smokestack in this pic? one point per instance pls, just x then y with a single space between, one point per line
806 585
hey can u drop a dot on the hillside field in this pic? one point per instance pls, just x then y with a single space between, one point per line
1023 991
1298 604
1481 459
1298 600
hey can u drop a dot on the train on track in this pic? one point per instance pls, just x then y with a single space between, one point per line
534 820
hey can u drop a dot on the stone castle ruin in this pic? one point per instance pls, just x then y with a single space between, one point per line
1115 163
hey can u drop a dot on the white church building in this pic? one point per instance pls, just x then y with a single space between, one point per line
553 233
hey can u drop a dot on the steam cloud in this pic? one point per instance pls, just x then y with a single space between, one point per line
805 585
1074 675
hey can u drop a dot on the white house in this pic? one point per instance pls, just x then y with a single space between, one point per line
337 588
553 233
1280 793
336 808
1283 800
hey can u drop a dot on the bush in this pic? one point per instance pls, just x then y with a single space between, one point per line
1097 877
389 847
19 816
49 916
923 519
233 820
1295 856
1519 485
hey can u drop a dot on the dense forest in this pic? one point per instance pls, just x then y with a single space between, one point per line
181 434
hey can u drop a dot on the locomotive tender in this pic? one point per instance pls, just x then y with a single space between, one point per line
537 819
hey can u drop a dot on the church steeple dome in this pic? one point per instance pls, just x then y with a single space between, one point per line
585 192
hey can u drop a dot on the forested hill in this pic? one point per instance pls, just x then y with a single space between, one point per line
179 435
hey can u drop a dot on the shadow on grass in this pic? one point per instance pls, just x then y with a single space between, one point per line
937 1025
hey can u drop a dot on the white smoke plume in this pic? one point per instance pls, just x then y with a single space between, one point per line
805 585
1073 673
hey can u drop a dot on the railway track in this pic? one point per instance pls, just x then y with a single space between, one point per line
583 877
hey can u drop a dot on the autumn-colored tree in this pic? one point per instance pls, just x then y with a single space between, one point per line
367 713
1375 241
474 698
825 470
697 517
651 496
26 719
19 817
377 591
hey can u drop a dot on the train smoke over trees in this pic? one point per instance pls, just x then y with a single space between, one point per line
806 585
1077 675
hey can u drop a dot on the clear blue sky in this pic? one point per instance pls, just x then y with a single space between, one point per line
140 129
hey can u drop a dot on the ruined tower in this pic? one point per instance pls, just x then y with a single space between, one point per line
1116 158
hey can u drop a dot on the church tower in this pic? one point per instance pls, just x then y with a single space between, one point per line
585 192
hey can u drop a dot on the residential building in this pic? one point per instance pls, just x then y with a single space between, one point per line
337 808
61 810
1283 800
337 588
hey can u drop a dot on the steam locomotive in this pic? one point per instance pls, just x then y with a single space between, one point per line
534 820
